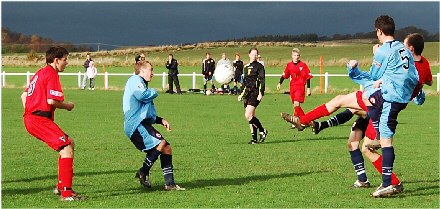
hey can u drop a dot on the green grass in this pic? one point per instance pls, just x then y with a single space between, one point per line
212 158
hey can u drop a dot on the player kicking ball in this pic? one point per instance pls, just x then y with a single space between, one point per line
140 115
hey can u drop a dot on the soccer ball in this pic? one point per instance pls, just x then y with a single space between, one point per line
224 73
208 92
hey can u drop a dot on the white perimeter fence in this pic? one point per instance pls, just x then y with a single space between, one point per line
165 78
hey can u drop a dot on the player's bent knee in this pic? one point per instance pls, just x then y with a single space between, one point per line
167 150
67 151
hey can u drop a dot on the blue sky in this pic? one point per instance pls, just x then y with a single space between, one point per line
158 23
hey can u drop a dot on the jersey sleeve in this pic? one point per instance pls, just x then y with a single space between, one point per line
286 73
262 79
307 75
359 76
53 88
379 65
144 94
428 73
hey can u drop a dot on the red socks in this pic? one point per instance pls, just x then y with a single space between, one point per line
318 112
378 164
65 172
298 111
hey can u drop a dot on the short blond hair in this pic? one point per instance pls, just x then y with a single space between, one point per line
296 50
141 64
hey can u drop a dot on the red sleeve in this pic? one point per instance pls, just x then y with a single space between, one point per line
286 73
54 90
308 75
428 75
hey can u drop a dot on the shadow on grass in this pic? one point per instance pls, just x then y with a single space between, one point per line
421 191
88 173
22 191
203 183
243 180
304 139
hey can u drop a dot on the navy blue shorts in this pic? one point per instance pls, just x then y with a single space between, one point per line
146 137
385 114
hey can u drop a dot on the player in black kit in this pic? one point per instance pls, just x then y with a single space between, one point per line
254 82
208 68
238 73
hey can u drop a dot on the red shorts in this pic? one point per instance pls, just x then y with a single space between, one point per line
47 131
298 93
360 101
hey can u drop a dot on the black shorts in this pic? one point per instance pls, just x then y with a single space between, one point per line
208 77
361 124
250 98
238 78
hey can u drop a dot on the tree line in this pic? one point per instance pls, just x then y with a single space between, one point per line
13 42
400 34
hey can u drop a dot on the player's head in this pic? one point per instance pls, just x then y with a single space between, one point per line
57 57
224 56
88 56
208 55
144 69
253 54
91 63
170 56
415 43
384 24
296 54
237 56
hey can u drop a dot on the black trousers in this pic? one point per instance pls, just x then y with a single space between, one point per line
172 77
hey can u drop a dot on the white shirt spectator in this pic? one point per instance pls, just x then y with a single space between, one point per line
91 70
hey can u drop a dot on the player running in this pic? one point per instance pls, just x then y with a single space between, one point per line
300 74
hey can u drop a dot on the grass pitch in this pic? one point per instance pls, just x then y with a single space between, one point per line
212 158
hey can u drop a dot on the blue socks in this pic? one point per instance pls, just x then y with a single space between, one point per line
358 162
387 165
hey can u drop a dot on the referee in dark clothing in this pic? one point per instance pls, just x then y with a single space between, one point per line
172 74
254 86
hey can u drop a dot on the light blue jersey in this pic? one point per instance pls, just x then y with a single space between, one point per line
138 104
394 65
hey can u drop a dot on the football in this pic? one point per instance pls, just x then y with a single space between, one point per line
208 92
223 74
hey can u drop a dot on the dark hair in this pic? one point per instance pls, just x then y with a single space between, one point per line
170 55
254 48
417 42
386 24
55 52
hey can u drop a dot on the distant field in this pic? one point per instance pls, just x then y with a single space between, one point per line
335 54
212 158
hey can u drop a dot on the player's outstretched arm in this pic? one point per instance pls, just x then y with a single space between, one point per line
61 105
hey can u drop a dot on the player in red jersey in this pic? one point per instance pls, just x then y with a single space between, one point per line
300 74
415 43
42 97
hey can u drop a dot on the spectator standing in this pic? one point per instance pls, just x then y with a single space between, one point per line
91 73
86 65
173 73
